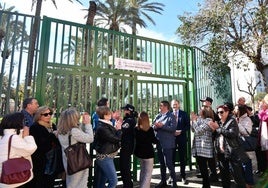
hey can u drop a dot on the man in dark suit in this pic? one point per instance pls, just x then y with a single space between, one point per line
165 125
182 126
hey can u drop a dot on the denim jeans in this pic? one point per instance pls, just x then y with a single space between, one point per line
98 179
146 172
107 171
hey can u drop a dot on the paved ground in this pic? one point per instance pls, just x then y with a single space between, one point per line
195 182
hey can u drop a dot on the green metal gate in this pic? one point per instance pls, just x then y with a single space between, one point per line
79 64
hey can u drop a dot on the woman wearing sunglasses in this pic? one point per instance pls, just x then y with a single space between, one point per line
43 132
229 153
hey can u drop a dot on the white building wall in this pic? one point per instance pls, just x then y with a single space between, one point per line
241 77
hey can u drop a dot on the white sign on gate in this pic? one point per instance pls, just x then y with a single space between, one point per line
134 65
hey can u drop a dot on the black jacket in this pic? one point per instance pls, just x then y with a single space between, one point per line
230 132
144 143
107 138
128 139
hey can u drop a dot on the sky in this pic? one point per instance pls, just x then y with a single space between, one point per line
167 23
165 28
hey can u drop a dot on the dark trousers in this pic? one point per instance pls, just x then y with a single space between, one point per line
182 149
165 157
125 167
212 166
212 162
261 159
41 181
237 172
203 167
247 167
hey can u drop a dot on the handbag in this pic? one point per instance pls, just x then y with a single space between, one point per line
78 157
249 143
15 170
239 154
254 132
54 164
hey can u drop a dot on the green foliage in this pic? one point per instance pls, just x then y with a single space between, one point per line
218 70
14 37
263 181
260 96
241 26
120 13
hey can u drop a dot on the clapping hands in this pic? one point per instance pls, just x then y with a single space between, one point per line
213 125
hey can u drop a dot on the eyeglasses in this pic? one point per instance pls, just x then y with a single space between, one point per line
46 114
220 112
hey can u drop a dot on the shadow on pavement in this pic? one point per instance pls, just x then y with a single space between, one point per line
195 182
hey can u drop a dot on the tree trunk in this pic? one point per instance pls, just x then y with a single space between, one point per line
32 46
88 38
90 21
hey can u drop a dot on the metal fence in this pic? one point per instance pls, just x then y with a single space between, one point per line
76 64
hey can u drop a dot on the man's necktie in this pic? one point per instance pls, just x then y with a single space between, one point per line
176 115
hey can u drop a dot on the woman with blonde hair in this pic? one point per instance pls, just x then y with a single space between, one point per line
145 138
80 132
262 148
43 132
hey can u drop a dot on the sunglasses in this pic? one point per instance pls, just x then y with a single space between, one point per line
46 114
220 112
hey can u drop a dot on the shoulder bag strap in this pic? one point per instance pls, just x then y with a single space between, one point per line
69 137
228 123
247 131
9 146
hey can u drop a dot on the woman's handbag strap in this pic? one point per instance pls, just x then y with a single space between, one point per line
69 137
228 123
9 146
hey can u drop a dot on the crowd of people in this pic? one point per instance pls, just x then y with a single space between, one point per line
215 143
218 140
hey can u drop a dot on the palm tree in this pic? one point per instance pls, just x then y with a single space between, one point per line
34 33
12 35
139 9
87 46
33 39
117 13
90 20
112 13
